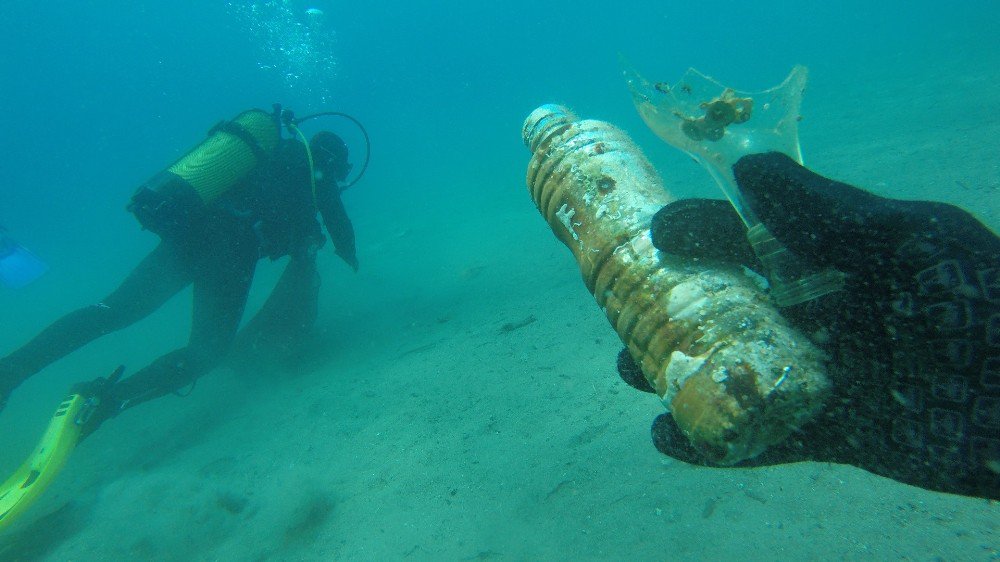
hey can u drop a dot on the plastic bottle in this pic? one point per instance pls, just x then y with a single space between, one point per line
717 125
735 376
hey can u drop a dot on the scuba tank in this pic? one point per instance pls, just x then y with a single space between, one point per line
176 197
173 198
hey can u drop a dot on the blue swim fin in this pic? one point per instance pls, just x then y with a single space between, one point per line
18 266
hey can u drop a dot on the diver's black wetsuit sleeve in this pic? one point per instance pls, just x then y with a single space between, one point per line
337 223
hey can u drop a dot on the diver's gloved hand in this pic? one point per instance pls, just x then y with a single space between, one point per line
914 337
101 405
834 224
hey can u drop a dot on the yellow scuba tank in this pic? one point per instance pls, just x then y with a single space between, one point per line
169 201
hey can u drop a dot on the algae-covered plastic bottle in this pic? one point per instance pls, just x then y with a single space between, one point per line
719 125
734 374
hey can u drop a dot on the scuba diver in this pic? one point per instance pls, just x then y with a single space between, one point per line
913 338
242 194
18 266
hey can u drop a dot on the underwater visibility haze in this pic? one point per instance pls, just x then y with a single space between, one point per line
458 396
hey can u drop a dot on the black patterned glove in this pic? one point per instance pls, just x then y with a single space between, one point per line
914 338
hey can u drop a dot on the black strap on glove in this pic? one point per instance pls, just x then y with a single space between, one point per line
914 338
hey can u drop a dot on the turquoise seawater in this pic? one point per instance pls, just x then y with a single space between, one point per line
418 428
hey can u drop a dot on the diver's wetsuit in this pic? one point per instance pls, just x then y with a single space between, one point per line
914 338
272 214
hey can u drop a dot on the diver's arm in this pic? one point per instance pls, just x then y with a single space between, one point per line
337 223
285 320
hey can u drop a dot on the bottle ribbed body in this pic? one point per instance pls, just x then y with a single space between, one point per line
735 376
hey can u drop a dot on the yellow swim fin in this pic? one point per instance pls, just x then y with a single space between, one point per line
50 455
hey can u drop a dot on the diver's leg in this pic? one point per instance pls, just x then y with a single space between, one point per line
288 315
157 277
222 281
